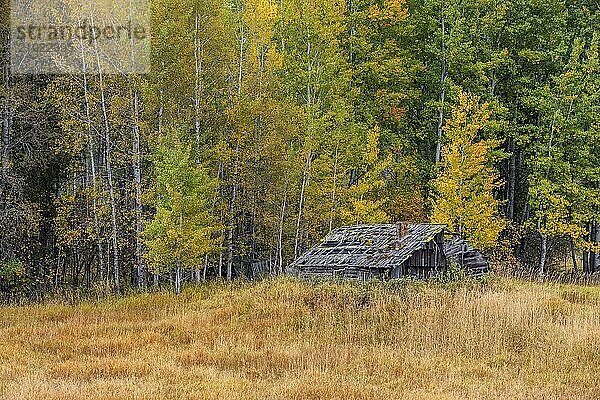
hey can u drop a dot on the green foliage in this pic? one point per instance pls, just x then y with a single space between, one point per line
181 232
564 168
365 203
13 278
454 275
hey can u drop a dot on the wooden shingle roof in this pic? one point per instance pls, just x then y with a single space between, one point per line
377 246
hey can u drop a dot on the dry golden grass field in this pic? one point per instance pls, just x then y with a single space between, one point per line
285 339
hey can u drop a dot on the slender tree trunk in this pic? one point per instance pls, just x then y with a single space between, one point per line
7 110
137 171
280 230
137 175
543 253
255 193
231 227
6 249
205 269
573 254
155 277
444 73
221 218
231 214
231 218
178 261
198 69
113 216
597 239
305 176
333 189
178 277
586 254
594 256
510 211
220 265
92 163
310 98
109 173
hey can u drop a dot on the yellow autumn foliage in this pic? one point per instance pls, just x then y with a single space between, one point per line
392 11
464 199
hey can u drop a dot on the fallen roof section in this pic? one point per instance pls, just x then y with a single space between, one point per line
376 246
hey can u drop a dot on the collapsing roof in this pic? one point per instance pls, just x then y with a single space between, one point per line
380 251
373 246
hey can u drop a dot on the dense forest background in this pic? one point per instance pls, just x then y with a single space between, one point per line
264 124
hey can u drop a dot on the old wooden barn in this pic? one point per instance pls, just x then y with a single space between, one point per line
388 251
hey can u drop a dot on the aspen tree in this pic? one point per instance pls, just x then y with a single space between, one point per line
179 234
464 186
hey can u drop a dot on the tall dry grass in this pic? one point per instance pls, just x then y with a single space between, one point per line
285 339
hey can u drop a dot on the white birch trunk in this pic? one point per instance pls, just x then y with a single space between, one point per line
111 189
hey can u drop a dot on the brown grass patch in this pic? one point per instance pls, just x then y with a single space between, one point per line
104 368
285 339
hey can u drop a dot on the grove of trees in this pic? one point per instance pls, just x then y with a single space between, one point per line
264 124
